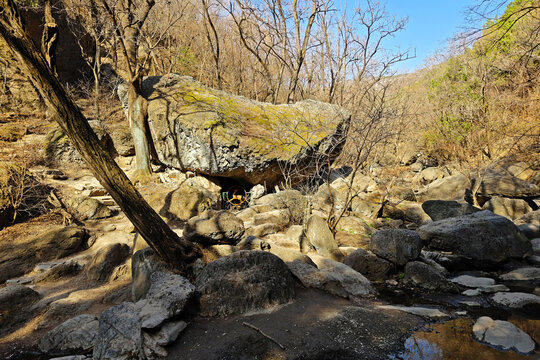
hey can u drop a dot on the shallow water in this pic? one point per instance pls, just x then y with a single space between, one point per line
453 340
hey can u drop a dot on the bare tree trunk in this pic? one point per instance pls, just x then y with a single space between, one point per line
174 250
137 115
49 38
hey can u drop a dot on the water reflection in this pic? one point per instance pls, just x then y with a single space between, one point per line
453 340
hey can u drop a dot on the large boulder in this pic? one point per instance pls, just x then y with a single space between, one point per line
166 298
448 188
510 208
483 237
368 264
244 281
506 185
421 275
191 198
333 277
73 335
54 244
290 200
396 245
214 227
319 235
144 263
58 147
141 330
443 209
105 260
502 334
235 137
88 208
407 211
13 297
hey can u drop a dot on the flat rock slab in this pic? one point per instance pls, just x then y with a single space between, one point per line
523 274
416 310
314 326
502 334
515 300
472 281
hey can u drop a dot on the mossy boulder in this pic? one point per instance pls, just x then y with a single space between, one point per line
215 133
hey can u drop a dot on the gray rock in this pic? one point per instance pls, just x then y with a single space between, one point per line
105 260
327 199
536 246
58 243
510 208
244 281
419 274
291 200
532 217
319 235
443 209
502 334
169 332
214 227
449 188
119 334
473 281
166 298
280 218
59 148
431 174
416 310
407 211
332 277
257 192
154 342
73 335
506 185
143 264
88 208
531 231
515 300
368 264
122 139
472 292
191 198
396 245
13 297
484 237
522 274
287 254
59 271
185 114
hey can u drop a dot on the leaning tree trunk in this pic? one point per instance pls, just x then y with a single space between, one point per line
174 250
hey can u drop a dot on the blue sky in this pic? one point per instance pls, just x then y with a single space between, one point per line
431 24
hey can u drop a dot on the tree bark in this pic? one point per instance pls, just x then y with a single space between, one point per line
174 250
49 38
